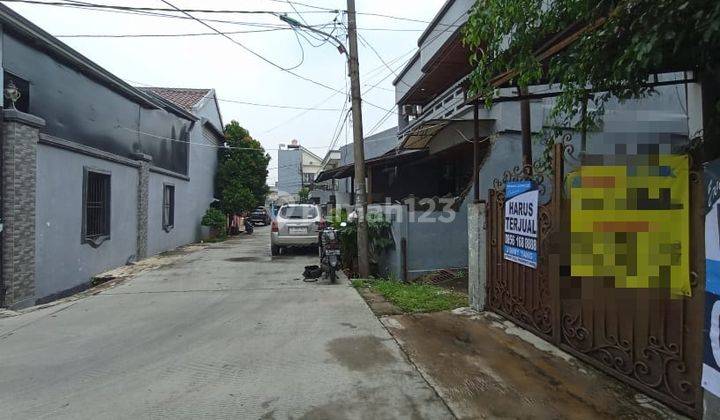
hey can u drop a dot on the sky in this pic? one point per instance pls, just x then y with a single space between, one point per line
238 75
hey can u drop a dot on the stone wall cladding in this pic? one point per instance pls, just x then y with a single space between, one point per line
142 207
19 169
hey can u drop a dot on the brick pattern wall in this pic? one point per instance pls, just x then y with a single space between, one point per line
19 167
142 208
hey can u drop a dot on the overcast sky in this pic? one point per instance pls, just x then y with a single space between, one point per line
216 62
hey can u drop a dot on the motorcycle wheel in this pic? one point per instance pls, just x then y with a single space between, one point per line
332 275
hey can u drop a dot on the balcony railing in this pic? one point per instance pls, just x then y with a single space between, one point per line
445 106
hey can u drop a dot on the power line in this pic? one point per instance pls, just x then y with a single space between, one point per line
370 75
154 9
379 124
191 34
321 10
88 6
369 45
166 35
295 117
238 43
158 137
234 41
402 18
391 111
278 106
332 96
296 11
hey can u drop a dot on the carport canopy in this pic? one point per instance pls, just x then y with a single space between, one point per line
439 135
392 157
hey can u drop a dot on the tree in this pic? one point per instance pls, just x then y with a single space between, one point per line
621 44
303 194
241 180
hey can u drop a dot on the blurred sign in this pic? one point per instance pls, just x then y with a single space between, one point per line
630 220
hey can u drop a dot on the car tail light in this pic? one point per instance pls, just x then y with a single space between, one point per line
274 226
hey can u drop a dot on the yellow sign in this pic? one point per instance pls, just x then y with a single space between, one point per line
630 219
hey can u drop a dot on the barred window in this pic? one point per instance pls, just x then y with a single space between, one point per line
168 206
96 207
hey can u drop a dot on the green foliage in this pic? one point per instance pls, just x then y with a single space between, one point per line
216 220
304 193
348 243
241 179
379 234
237 197
626 42
414 297
379 237
336 217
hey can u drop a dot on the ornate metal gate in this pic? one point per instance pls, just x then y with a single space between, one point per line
639 336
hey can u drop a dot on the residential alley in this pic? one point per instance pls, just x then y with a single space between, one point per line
224 332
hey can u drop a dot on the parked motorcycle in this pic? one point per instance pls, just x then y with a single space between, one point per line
249 227
329 249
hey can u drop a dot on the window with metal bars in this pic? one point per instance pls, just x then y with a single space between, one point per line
168 206
96 207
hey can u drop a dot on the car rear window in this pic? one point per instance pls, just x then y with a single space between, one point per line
298 212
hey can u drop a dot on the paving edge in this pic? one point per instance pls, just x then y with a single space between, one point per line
406 355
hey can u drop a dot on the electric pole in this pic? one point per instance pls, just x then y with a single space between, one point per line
360 191
359 150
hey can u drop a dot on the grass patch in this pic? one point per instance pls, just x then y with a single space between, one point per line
358 283
415 297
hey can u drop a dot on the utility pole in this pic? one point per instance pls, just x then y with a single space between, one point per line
359 150
359 189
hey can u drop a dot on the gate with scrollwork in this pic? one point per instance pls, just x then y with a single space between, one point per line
639 336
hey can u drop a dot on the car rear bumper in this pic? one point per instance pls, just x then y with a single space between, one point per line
290 240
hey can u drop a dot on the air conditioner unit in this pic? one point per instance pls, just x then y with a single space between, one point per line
410 110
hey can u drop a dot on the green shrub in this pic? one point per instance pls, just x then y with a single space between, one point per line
216 220
379 237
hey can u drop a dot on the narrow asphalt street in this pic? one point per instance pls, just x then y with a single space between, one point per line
224 332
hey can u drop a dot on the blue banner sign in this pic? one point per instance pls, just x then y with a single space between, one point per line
711 353
521 223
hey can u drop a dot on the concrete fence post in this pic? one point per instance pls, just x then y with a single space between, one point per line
143 199
20 135
477 264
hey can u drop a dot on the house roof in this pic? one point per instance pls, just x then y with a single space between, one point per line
186 98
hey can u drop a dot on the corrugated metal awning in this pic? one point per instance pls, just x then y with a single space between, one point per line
420 136
390 158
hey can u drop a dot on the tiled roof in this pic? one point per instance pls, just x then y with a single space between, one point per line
182 97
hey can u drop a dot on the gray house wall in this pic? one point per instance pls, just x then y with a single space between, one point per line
431 244
62 261
95 120
193 196
64 264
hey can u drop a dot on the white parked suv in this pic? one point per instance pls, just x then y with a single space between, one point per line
295 225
